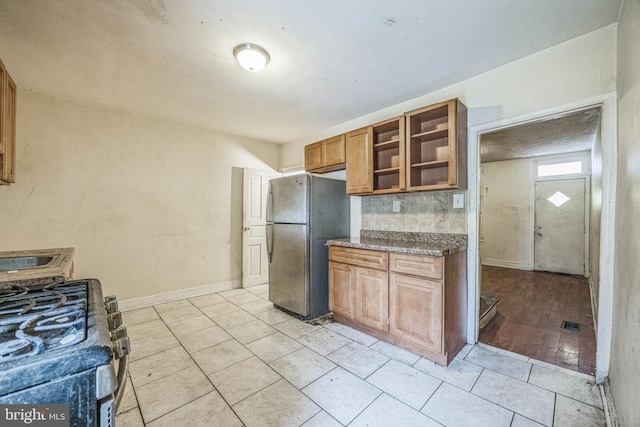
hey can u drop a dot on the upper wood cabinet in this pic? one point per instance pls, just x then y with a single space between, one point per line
437 147
360 161
422 150
325 156
376 158
8 95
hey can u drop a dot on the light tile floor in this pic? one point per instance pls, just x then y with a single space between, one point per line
231 359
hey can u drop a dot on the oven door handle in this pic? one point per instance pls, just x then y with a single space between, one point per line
121 348
123 366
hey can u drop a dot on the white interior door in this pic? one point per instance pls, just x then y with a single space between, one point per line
560 226
255 265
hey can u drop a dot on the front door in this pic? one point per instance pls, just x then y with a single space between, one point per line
255 266
560 226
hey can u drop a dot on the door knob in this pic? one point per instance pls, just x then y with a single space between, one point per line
245 229
539 234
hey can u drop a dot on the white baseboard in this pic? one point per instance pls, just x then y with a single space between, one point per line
253 286
141 302
611 416
506 264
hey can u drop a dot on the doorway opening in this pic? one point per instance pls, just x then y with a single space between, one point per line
539 238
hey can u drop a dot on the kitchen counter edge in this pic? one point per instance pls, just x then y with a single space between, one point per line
413 247
61 268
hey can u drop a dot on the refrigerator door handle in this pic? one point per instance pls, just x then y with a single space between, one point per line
269 237
269 223
269 210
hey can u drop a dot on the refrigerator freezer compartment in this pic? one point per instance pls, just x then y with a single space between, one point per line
288 270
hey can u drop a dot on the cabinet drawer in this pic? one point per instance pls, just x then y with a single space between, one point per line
416 265
359 257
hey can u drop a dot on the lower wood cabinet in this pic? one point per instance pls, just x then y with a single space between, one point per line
415 302
359 292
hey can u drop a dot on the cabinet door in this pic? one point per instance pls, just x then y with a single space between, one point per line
372 303
3 142
342 293
3 72
9 169
313 156
333 151
359 161
416 311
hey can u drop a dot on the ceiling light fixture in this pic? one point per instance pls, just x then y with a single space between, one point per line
251 57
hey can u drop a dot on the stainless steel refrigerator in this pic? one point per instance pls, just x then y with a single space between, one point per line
303 212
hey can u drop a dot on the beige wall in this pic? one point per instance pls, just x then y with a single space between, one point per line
151 206
625 355
505 214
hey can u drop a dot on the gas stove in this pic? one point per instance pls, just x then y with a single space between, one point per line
59 344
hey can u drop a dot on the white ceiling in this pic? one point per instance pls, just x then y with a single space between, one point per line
331 60
568 133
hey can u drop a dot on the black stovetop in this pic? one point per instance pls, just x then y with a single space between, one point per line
49 331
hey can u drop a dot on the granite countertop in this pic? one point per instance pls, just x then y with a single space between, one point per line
430 244
60 266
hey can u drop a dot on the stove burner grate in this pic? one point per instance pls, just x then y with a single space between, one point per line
34 321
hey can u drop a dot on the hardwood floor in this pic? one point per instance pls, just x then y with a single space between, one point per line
530 314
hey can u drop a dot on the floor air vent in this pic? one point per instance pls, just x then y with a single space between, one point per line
570 326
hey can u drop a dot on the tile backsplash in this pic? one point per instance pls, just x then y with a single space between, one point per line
428 211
